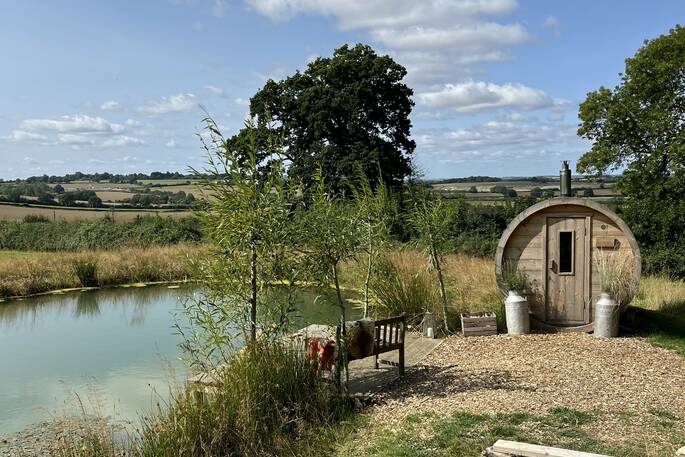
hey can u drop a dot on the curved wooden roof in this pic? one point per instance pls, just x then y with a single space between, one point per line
561 201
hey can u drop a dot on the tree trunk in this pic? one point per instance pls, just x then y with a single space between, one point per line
253 297
441 281
343 333
368 273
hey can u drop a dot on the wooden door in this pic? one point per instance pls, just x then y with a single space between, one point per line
567 269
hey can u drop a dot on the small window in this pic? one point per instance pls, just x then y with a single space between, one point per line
566 252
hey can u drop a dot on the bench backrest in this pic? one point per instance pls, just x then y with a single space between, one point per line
389 334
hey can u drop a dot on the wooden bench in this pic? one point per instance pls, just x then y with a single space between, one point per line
389 336
504 448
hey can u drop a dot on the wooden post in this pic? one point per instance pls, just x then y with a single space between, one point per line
401 337
376 344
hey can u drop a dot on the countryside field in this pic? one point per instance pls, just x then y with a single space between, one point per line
10 212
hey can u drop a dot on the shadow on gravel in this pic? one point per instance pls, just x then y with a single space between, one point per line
439 382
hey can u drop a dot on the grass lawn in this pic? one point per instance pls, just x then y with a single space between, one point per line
658 312
467 434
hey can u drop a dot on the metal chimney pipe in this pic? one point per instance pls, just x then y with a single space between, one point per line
565 180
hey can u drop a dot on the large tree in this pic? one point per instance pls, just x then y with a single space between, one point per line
638 128
342 111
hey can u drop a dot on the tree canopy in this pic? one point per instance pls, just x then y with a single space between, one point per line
637 127
341 111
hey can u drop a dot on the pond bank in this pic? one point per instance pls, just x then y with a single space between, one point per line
44 272
45 438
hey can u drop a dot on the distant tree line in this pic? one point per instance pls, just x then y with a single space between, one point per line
131 178
154 198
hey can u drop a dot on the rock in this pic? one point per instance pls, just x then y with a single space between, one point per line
680 451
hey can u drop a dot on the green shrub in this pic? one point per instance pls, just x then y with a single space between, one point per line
267 401
86 270
98 234
35 219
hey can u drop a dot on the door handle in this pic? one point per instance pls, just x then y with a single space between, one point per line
553 266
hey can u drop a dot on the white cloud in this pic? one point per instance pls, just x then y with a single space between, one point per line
479 36
20 136
500 140
175 103
110 105
241 101
72 124
472 96
436 40
215 90
171 143
122 141
383 13
552 23
75 139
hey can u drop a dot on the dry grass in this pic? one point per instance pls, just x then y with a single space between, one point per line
659 293
470 282
41 272
113 195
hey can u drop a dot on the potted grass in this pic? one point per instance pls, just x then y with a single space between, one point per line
615 282
516 303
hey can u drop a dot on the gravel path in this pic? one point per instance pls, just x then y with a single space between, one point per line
534 373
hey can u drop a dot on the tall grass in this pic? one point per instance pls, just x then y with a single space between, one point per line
403 286
407 286
41 272
616 275
267 402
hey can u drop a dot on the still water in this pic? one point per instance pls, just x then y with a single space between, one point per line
114 349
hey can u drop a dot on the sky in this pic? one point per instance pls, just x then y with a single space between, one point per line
122 86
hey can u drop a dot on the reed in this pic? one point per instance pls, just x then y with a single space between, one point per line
267 403
39 272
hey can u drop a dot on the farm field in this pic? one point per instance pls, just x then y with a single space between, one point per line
10 212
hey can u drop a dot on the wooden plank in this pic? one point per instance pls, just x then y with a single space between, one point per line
533 450
480 332
488 323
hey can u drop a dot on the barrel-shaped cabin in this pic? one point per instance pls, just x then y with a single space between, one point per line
558 244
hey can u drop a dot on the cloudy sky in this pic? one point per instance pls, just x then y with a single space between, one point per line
119 86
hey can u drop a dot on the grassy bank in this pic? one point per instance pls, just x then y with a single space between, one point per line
467 434
37 272
268 402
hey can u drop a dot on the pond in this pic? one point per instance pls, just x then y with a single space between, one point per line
116 349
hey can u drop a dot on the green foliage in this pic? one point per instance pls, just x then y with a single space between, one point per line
376 212
638 127
400 290
86 270
71 198
14 191
157 198
35 219
350 109
467 434
267 402
248 223
504 190
42 235
513 278
430 217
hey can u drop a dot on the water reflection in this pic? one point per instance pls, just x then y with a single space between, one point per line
119 343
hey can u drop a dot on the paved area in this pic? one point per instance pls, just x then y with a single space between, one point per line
366 379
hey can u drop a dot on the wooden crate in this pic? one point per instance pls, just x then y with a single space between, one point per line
479 324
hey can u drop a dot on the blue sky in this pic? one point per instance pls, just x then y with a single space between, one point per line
118 86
